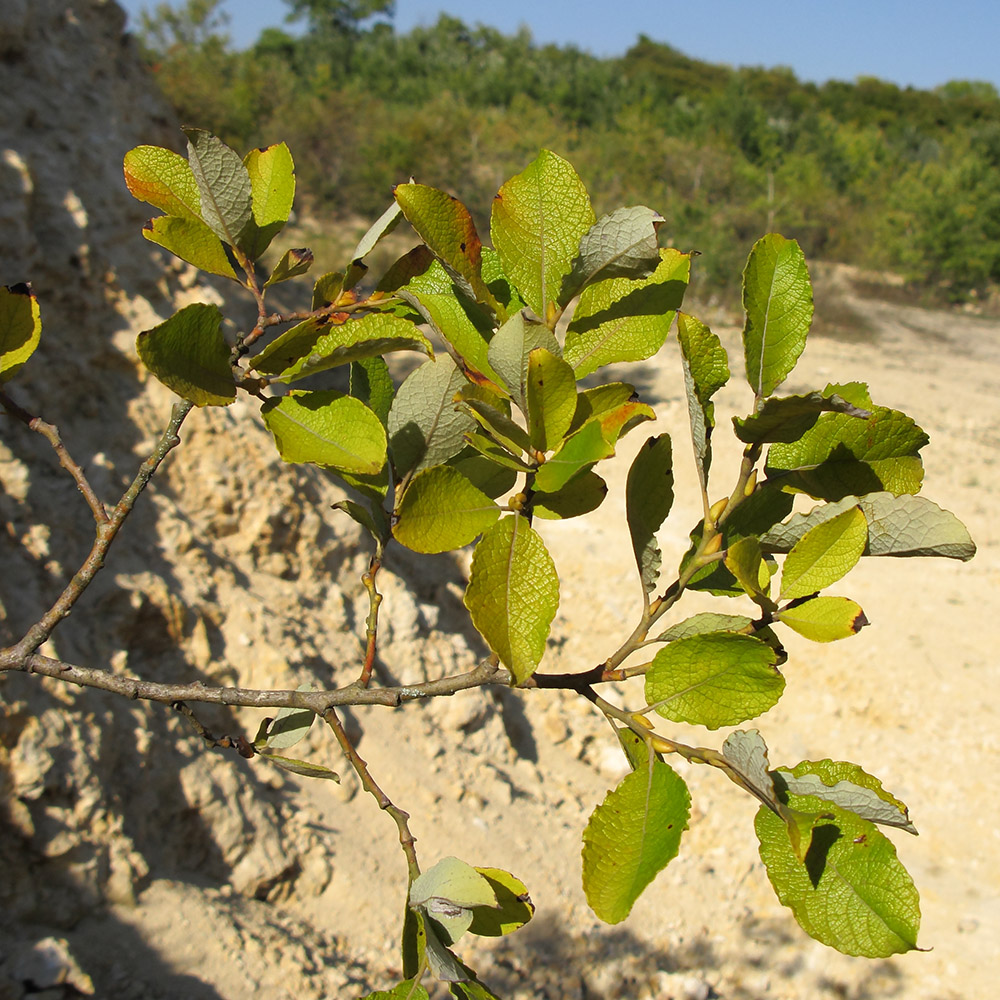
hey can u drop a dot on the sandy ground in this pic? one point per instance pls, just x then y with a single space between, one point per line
910 699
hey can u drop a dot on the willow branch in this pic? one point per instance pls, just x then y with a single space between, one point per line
107 530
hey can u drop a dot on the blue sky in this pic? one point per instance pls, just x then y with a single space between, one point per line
910 44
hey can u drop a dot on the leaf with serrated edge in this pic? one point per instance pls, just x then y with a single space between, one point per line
712 680
163 179
824 619
707 621
824 555
900 526
191 240
189 355
777 297
272 191
446 226
20 328
326 428
513 594
626 320
579 496
425 428
706 371
849 786
850 892
538 219
631 836
223 183
513 905
550 395
578 453
649 494
371 336
620 245
442 510
787 418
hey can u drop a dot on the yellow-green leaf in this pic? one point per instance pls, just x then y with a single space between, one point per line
649 495
550 395
272 191
20 327
825 554
163 179
824 619
191 240
189 355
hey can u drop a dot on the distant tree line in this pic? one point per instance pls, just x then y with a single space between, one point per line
864 172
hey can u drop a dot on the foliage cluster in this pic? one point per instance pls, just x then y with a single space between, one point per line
862 172
503 426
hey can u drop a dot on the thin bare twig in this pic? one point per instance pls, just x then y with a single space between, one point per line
238 743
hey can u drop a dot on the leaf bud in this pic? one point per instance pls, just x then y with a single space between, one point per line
641 719
751 484
660 745
715 511
712 545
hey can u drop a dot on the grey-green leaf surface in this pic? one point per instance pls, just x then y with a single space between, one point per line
620 245
746 752
849 786
706 371
513 594
326 428
223 183
777 297
425 427
511 347
381 228
189 355
850 891
631 837
787 418
538 219
622 319
712 680
442 510
900 526
649 494
842 455
290 725
454 881
706 621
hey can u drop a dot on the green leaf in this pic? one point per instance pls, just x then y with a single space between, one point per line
745 562
620 245
624 319
787 418
510 349
712 680
484 474
371 336
289 348
163 179
850 891
824 555
496 452
189 355
581 495
706 371
425 427
372 520
513 905
381 228
327 289
293 263
446 226
453 881
191 240
538 220
513 594
409 989
498 425
601 401
550 395
707 621
577 455
500 285
20 328
442 510
649 494
371 383
849 786
631 837
897 526
326 428
304 767
272 191
824 619
223 183
777 297
842 455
